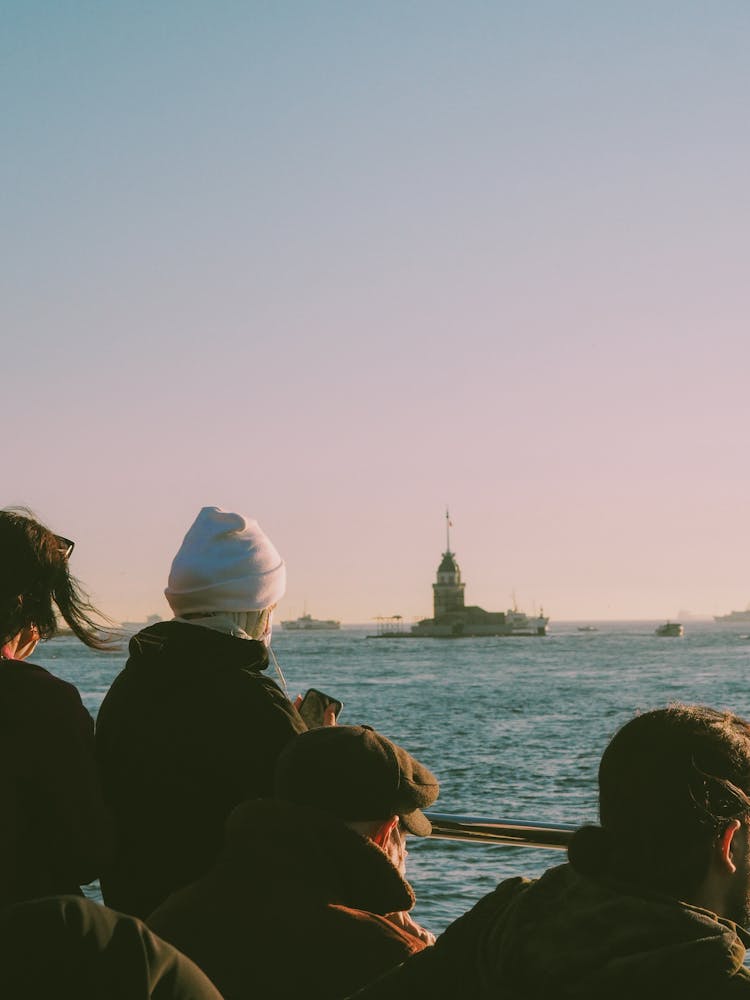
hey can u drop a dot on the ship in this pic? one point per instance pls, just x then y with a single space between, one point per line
453 619
672 629
130 628
736 617
306 623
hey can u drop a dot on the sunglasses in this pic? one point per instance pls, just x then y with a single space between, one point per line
66 546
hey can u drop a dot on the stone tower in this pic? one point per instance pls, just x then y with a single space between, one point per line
448 590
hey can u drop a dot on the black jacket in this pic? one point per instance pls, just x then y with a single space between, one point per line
189 728
295 907
68 947
55 834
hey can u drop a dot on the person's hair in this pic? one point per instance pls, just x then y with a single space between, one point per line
35 579
670 782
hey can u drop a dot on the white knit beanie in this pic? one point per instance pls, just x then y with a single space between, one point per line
225 563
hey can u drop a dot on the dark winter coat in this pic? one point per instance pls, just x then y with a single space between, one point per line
54 831
69 947
294 908
567 936
189 728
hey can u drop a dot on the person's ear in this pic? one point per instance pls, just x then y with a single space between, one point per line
21 645
384 831
725 845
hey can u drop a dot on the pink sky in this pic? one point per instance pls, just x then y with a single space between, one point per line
335 266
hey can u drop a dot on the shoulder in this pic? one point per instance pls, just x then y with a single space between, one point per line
252 691
246 686
75 933
490 907
263 685
467 935
30 681
26 672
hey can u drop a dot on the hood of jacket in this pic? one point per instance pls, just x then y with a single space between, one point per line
567 935
180 646
310 853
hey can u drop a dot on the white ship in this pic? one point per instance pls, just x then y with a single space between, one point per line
308 623
738 617
130 628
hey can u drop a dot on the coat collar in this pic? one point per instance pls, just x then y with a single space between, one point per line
323 857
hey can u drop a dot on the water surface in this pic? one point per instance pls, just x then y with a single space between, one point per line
513 727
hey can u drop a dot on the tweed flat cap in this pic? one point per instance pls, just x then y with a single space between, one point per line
356 774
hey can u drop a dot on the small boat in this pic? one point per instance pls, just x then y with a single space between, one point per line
587 628
673 629
306 623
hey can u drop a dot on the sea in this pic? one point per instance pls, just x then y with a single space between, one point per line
513 727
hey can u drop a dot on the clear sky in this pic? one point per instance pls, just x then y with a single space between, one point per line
335 265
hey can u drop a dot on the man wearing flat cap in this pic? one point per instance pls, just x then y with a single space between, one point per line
309 897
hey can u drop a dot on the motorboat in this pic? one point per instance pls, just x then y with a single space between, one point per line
672 629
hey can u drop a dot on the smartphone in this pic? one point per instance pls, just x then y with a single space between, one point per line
314 705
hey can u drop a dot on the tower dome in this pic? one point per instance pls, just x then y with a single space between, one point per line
448 564
448 571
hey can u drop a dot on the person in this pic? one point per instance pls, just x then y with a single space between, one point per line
67 946
56 834
309 897
652 903
191 726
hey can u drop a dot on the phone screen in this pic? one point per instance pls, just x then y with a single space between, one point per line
314 705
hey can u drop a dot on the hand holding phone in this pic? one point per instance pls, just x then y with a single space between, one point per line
316 705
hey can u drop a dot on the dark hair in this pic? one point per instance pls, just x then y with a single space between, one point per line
34 579
669 783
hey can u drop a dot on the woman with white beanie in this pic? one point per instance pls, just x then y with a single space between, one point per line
191 726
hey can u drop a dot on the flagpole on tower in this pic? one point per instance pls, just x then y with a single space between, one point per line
447 530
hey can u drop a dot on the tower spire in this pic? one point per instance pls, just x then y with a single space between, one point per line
447 529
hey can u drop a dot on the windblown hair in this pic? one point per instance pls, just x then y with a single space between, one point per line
35 579
669 783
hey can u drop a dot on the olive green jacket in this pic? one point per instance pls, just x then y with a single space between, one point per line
567 936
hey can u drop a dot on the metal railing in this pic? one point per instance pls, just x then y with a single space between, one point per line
480 830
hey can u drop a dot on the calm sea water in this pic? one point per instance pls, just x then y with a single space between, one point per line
512 727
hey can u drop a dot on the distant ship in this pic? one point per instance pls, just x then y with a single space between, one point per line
739 617
672 629
454 620
132 627
308 623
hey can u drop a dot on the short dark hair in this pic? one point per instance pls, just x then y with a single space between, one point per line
670 781
35 579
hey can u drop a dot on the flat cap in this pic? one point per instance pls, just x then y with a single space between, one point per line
356 774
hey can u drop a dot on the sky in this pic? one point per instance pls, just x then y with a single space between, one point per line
338 265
